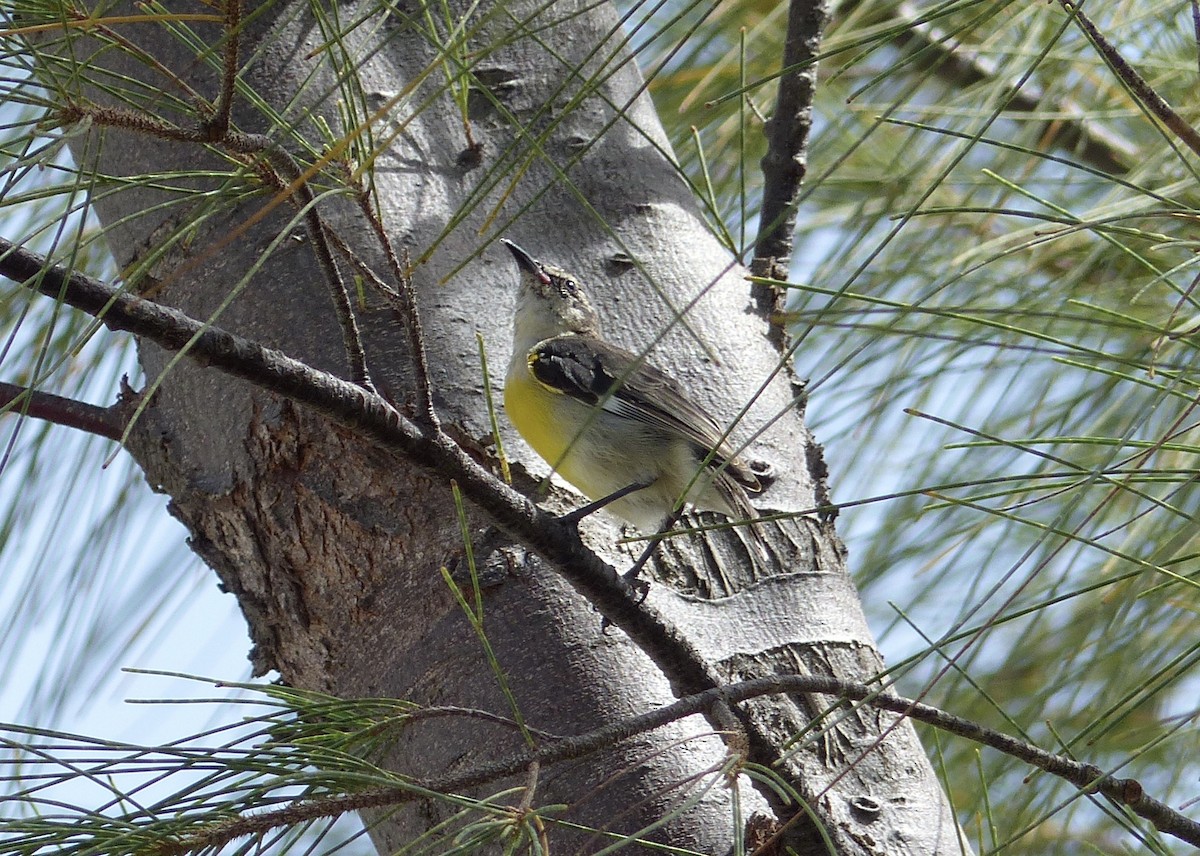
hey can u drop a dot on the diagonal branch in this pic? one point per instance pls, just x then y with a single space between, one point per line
1141 90
374 419
1070 129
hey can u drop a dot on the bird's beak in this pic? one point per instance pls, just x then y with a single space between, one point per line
525 261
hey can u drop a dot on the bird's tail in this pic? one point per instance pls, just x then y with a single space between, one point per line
733 491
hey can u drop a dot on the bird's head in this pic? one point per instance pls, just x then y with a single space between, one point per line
550 302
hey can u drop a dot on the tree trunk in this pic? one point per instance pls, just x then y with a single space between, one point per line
333 547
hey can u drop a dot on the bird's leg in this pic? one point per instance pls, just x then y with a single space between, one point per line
592 507
632 574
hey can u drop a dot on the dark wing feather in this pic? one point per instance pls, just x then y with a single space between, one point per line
598 373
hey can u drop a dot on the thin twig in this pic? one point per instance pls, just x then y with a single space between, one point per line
403 300
104 422
218 125
426 415
291 177
285 165
1142 91
786 160
531 788
442 711
1087 777
359 264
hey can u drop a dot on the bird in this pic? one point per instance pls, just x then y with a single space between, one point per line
623 432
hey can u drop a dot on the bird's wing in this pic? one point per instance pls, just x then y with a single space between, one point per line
599 374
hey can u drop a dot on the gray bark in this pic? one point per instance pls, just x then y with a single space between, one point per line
333 548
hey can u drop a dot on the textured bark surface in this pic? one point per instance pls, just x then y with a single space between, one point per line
333 548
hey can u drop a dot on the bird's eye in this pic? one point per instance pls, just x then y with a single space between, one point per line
567 287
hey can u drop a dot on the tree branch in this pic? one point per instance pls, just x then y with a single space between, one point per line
1142 91
104 422
374 419
403 300
1070 130
1087 777
297 184
218 124
786 161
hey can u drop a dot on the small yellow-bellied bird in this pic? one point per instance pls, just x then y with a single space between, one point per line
604 419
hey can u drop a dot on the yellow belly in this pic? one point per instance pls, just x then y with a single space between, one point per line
537 413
